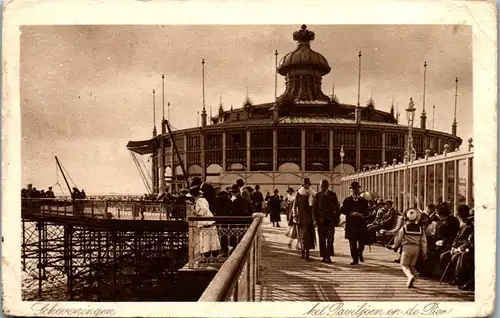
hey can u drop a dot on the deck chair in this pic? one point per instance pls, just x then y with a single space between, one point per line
385 236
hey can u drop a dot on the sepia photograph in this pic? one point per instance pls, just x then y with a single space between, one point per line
273 162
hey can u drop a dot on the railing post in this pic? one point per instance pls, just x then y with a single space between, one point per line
193 237
426 187
455 186
444 189
249 278
434 188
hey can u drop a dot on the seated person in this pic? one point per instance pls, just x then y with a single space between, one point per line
464 271
446 230
432 213
384 220
449 259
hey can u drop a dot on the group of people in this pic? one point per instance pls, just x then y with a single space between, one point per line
437 242
32 192
432 242
237 200
308 210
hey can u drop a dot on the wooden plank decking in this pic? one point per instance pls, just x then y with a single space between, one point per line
285 276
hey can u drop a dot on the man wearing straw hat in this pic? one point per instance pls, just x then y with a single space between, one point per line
355 209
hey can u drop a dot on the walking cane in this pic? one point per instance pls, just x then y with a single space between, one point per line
444 273
392 239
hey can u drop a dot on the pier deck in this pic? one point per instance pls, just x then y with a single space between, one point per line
287 277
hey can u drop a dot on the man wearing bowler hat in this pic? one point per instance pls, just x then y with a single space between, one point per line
355 209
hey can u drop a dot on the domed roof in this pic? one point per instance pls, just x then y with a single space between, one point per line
303 56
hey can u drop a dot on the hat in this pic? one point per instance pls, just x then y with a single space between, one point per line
195 190
290 190
443 209
196 182
307 181
355 185
240 182
223 192
389 201
412 214
249 189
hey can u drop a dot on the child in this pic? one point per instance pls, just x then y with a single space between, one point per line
413 241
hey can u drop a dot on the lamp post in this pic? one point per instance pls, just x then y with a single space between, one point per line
410 153
342 154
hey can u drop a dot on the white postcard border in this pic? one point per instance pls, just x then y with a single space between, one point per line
481 15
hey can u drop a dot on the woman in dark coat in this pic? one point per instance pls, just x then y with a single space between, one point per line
303 216
274 205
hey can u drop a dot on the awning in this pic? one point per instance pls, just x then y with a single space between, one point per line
141 147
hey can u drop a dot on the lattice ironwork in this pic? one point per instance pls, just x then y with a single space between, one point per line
213 243
75 256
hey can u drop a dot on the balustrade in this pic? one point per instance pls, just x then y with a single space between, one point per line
104 209
238 276
446 177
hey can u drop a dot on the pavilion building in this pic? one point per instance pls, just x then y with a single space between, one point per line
303 133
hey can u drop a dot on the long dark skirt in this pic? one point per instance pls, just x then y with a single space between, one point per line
307 237
275 216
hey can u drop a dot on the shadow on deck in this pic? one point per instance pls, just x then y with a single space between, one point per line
285 276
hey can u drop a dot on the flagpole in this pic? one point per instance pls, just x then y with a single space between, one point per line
454 125
154 114
423 117
275 75
359 77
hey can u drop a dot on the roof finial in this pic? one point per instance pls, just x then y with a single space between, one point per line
303 35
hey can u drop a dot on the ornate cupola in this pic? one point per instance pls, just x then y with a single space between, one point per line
303 69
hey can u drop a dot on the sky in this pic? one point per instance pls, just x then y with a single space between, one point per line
87 90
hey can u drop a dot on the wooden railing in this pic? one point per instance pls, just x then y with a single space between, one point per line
236 279
446 177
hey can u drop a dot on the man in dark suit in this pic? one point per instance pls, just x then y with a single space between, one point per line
451 256
257 199
327 214
464 271
355 208
446 228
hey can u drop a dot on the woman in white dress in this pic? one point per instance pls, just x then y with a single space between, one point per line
208 237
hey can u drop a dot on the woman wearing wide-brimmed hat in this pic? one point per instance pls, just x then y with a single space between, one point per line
303 216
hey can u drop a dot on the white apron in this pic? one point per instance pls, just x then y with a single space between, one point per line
209 239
